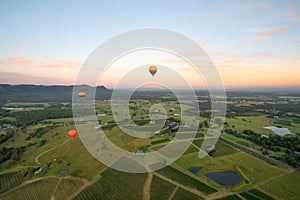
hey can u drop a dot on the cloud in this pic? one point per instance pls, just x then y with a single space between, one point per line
295 39
291 13
26 78
272 31
48 64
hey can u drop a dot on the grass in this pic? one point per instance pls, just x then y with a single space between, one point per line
73 154
10 180
66 188
232 121
257 124
61 120
191 149
221 148
126 141
115 185
163 140
184 179
286 187
251 168
186 195
74 157
198 142
160 189
230 137
41 189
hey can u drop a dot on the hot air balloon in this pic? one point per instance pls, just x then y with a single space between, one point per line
153 70
72 133
81 95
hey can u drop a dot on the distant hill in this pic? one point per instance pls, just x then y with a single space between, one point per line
40 93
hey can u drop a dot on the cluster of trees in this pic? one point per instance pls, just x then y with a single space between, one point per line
24 118
291 107
9 134
288 144
13 154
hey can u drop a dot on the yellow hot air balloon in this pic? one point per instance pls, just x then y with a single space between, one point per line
153 70
81 95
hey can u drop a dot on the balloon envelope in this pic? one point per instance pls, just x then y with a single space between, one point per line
152 70
72 133
81 94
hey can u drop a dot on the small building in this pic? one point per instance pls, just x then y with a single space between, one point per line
97 127
210 148
173 126
139 153
265 136
38 171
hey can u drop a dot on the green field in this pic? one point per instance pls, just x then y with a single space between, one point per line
230 137
286 187
250 168
232 121
160 189
184 179
221 148
191 149
70 156
255 123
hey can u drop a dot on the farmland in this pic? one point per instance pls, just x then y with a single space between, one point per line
184 179
67 170
160 189
286 187
115 185
184 194
10 180
41 189
67 187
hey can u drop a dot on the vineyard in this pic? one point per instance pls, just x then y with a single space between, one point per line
41 189
10 180
160 189
66 188
183 194
115 185
184 179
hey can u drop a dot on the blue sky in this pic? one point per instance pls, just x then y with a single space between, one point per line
40 39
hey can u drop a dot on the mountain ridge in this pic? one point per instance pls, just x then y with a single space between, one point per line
44 93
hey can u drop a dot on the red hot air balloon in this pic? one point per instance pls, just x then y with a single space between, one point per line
72 133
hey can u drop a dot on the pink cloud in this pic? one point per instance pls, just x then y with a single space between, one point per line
32 63
272 31
24 78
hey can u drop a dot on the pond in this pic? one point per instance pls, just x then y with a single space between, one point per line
194 170
227 179
279 131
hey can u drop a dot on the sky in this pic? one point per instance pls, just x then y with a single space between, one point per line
251 43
